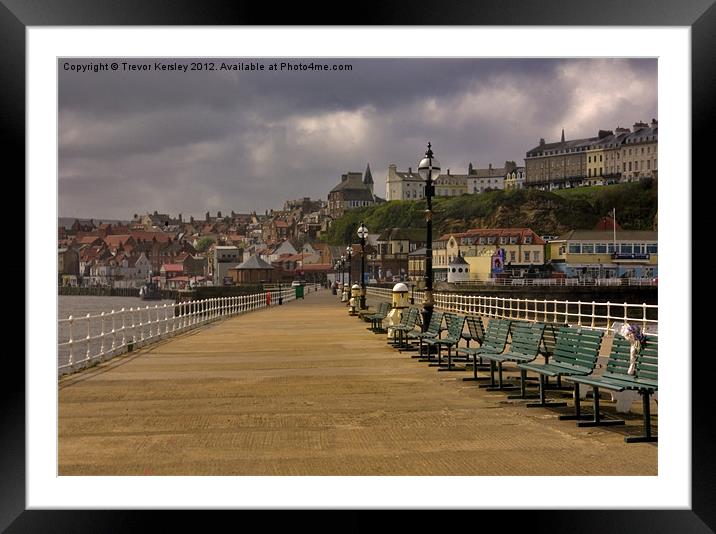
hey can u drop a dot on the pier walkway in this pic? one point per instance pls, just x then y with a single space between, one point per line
305 389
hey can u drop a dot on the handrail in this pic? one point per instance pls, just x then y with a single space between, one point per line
89 339
591 314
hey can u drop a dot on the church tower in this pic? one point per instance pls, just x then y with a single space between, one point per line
368 179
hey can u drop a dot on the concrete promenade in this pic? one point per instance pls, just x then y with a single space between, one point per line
304 389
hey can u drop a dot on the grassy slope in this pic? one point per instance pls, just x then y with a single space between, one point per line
544 212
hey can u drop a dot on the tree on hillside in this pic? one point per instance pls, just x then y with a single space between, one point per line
203 244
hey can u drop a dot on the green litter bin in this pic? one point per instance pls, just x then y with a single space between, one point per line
299 292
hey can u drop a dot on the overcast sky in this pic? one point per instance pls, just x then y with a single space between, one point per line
191 142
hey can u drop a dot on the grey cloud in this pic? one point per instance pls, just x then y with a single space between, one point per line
189 142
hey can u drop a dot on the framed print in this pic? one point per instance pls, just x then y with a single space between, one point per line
163 123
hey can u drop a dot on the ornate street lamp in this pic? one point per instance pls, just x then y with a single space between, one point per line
429 169
362 234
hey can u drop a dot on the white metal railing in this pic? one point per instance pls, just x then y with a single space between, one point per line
89 339
558 282
597 315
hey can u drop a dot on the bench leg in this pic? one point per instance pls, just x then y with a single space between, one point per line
577 416
542 399
450 366
523 388
598 421
474 376
647 437
500 383
492 383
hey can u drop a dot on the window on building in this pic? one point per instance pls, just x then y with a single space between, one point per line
600 248
527 255
648 164
587 248
528 239
600 158
630 166
513 255
627 248
513 240
590 159
536 255
575 248
503 240
652 248
612 248
490 240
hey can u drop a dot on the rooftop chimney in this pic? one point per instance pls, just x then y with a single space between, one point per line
541 141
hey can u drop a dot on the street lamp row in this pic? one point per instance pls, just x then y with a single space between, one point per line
429 170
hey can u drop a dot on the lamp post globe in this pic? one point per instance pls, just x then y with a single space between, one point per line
362 234
429 170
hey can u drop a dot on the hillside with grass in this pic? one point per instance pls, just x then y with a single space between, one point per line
547 213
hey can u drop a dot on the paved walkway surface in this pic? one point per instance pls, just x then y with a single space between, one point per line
304 389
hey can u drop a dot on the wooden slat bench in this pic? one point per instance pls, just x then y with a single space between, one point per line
575 353
616 378
455 324
526 339
376 319
494 342
407 325
433 330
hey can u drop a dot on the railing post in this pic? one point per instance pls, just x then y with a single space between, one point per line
124 333
89 336
71 342
101 336
114 333
593 313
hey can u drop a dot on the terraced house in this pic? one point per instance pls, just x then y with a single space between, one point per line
622 155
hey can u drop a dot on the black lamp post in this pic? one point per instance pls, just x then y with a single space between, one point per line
429 169
349 254
342 263
362 234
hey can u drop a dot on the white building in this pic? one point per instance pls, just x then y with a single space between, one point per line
491 178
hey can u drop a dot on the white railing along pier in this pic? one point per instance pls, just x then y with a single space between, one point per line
90 339
597 315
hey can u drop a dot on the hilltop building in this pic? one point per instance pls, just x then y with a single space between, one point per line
622 155
353 191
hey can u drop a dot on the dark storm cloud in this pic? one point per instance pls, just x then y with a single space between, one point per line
196 141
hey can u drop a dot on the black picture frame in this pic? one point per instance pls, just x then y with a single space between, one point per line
699 15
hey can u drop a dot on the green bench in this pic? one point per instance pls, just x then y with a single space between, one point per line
475 330
616 378
575 353
494 342
455 324
526 340
406 325
432 331
376 319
